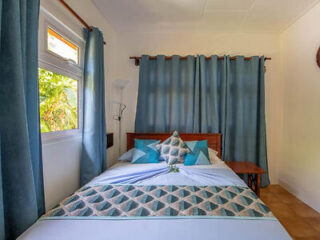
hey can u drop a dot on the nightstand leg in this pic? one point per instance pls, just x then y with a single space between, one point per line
257 188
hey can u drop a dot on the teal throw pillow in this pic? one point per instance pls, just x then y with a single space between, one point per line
145 151
199 154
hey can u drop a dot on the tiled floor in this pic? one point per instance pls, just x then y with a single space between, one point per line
301 221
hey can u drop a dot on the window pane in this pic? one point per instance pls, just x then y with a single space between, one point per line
61 46
58 102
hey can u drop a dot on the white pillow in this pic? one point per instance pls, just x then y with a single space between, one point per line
213 156
127 156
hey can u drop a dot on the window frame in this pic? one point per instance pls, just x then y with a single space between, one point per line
53 62
48 25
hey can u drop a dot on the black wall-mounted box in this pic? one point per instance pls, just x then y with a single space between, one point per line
109 140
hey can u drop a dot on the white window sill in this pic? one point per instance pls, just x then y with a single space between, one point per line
56 137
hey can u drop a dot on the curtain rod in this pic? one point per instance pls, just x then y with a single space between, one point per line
76 16
137 59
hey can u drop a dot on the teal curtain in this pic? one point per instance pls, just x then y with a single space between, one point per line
207 96
21 163
93 159
166 95
2 229
245 133
212 84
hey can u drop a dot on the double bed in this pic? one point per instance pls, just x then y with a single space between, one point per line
148 201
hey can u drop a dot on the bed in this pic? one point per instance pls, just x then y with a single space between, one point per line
150 202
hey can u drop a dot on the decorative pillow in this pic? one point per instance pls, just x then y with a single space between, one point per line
173 149
145 151
199 154
127 156
213 156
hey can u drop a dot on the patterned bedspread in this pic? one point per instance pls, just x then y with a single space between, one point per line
162 201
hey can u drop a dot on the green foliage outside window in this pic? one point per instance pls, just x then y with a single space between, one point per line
58 102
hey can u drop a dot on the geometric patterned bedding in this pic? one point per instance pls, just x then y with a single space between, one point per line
161 201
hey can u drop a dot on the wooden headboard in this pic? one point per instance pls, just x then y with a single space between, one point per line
214 139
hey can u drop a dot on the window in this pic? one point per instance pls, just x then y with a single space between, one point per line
59 45
58 102
60 78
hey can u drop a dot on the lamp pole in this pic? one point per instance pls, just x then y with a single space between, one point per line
121 85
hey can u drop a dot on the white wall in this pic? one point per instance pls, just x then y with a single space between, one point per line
135 44
300 156
61 159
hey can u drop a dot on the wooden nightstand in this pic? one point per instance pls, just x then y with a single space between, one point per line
253 171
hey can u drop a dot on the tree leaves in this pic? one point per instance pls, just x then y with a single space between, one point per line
58 102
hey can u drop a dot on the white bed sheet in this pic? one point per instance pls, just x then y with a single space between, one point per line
158 229
158 174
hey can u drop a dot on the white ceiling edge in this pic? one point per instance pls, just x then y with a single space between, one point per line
204 31
104 16
143 30
308 9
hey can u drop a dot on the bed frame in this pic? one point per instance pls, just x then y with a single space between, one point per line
214 139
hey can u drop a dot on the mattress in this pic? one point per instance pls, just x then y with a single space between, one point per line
160 228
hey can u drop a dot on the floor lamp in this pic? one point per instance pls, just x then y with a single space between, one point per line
120 84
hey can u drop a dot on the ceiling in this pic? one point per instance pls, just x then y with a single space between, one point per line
203 15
